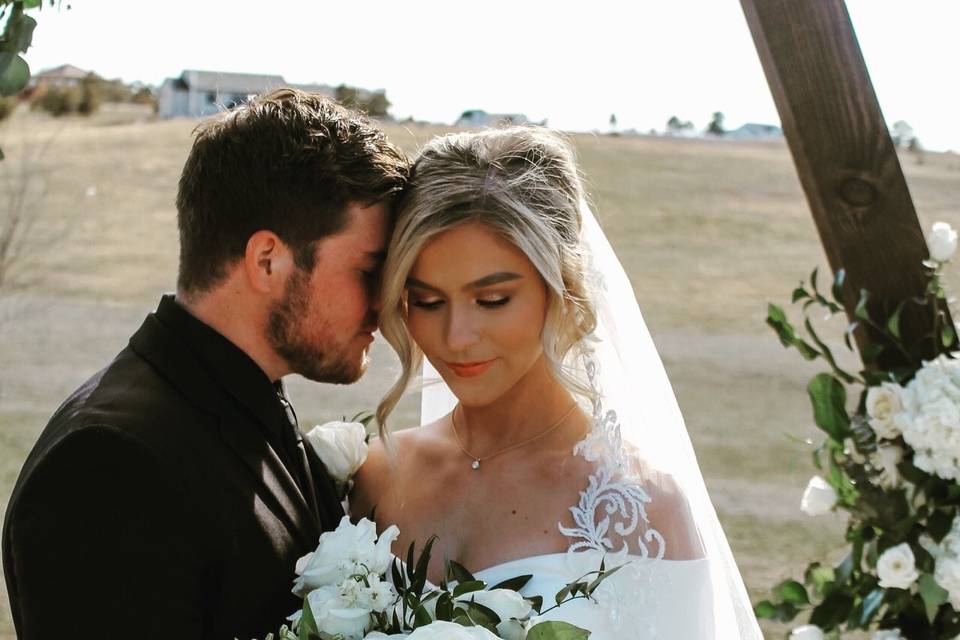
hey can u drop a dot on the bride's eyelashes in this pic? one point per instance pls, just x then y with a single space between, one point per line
429 304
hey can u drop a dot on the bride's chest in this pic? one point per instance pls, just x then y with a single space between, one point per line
487 516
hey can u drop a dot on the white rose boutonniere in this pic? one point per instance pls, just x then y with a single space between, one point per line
897 567
942 242
818 498
807 632
342 446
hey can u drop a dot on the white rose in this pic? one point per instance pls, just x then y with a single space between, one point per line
885 460
886 634
947 575
450 631
342 446
818 498
807 632
942 242
883 404
897 567
341 553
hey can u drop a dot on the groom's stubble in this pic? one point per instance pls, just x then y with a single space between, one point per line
309 347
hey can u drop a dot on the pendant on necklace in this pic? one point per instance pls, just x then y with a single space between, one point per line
475 465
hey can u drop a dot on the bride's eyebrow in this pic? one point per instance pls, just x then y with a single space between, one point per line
486 281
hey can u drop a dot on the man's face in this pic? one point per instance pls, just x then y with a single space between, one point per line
324 323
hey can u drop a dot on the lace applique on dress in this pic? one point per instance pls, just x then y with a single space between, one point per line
614 501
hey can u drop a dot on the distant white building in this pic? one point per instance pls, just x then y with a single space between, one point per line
480 118
202 93
66 75
754 131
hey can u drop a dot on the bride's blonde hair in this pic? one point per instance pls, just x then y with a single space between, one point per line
523 183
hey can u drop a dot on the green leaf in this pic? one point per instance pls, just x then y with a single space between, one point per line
861 309
792 591
947 334
31 4
826 353
468 587
513 584
848 334
22 34
14 73
536 602
420 574
829 398
871 604
933 595
777 320
456 571
819 577
893 324
308 624
799 294
555 630
837 288
834 609
813 278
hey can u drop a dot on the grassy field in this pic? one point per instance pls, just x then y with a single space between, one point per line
709 231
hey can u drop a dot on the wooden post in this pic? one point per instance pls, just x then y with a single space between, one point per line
843 153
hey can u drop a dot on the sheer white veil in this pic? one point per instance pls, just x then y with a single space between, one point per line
637 403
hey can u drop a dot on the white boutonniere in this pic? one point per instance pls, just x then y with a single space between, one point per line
342 446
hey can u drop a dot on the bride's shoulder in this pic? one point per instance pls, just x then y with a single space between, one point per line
385 460
667 508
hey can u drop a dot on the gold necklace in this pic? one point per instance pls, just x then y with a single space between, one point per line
477 459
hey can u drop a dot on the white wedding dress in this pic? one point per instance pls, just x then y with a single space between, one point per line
637 425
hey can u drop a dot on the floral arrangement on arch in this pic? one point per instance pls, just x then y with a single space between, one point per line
892 464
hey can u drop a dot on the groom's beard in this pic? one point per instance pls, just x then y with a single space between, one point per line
307 346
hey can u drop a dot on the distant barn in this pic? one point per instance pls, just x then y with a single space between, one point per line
202 93
66 75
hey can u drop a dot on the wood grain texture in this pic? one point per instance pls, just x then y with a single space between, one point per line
842 150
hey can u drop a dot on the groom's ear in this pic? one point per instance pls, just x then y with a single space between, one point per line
267 262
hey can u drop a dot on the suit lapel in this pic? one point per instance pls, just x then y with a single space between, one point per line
261 460
238 429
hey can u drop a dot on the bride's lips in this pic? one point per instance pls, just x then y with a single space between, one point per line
470 369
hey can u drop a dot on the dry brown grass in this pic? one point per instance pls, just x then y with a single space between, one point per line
708 231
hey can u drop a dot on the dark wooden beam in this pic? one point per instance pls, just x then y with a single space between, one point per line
842 149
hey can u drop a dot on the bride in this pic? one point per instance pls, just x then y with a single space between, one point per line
554 439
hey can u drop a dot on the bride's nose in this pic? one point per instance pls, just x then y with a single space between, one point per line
461 331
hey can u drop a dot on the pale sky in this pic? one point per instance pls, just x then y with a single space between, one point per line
574 63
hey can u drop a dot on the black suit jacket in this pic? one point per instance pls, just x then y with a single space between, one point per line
152 506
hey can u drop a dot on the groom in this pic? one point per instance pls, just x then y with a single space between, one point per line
171 495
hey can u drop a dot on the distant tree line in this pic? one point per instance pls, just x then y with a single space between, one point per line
373 103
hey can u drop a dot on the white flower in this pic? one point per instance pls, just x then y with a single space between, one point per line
508 605
379 596
886 634
883 404
897 567
807 632
334 615
342 446
885 460
349 550
942 242
947 575
450 631
818 498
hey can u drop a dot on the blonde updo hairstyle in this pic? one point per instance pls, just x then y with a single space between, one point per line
522 182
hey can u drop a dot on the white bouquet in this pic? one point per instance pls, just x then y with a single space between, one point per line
354 589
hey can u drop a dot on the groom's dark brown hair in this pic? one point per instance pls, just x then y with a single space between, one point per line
287 161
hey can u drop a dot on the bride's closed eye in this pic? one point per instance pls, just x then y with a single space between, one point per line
429 304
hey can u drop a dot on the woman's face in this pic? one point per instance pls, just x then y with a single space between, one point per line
476 306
